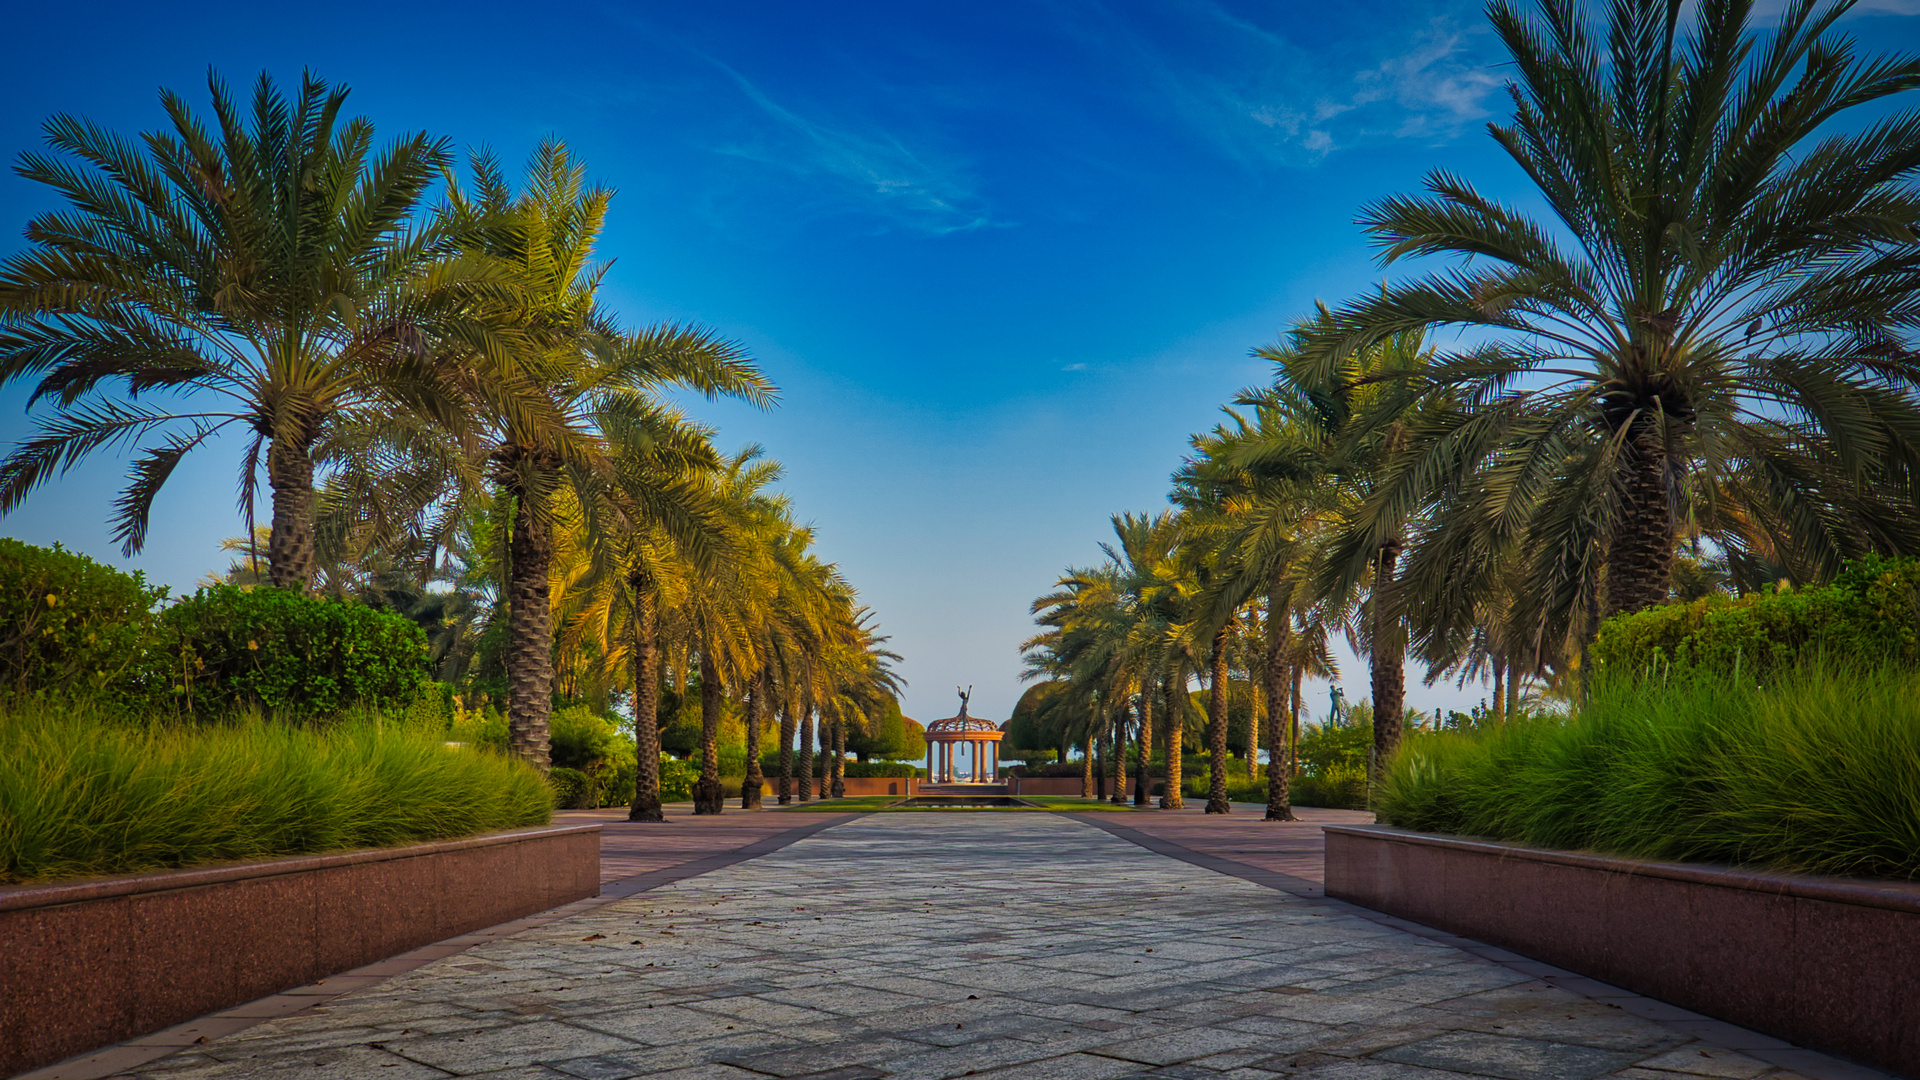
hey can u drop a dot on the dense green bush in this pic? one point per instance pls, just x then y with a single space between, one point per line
484 728
572 789
882 768
888 736
1342 787
593 745
66 622
677 779
1869 614
1818 772
231 648
81 794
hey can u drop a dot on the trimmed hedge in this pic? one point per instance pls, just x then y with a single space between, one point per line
1870 614
233 648
67 622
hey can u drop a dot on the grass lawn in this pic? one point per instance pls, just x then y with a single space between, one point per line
875 803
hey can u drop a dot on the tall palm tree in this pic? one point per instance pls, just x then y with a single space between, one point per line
263 273
1718 308
1340 429
1116 631
543 413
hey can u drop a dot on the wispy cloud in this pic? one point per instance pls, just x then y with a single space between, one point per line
1260 95
860 168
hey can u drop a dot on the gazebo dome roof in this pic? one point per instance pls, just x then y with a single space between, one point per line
960 723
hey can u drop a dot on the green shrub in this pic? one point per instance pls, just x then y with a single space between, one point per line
484 728
233 648
677 779
882 768
80 794
1868 614
1817 772
1339 787
66 622
572 789
583 740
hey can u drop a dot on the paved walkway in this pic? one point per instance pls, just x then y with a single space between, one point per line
995 945
628 849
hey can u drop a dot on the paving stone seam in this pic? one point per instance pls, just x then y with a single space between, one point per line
1776 1052
146 1049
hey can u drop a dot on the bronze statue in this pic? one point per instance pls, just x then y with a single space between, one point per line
965 696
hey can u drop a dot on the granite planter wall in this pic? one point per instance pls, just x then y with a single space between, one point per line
904 786
1828 963
89 963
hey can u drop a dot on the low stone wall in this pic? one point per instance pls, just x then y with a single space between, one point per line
1828 963
904 786
90 963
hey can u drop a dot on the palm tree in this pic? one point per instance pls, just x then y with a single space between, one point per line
1712 324
262 274
1116 631
544 412
1334 426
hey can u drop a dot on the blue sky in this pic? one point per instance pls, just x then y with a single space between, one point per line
1002 258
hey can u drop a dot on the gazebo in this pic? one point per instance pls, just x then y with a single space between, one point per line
963 736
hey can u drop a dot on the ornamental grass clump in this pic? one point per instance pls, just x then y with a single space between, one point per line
82 795
1816 772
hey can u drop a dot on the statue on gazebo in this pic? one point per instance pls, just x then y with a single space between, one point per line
965 696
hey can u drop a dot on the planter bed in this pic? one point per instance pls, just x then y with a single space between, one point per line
89 963
1828 963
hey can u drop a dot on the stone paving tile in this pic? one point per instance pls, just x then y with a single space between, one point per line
1018 947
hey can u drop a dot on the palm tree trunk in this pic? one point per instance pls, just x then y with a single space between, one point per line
1176 723
756 715
290 544
1388 659
1499 688
646 704
1100 772
806 752
1279 769
707 796
1217 727
837 764
787 729
1254 707
1640 552
1293 721
529 634
1513 691
1118 757
1143 769
1086 765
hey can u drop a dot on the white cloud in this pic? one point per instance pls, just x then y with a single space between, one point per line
1264 98
872 171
